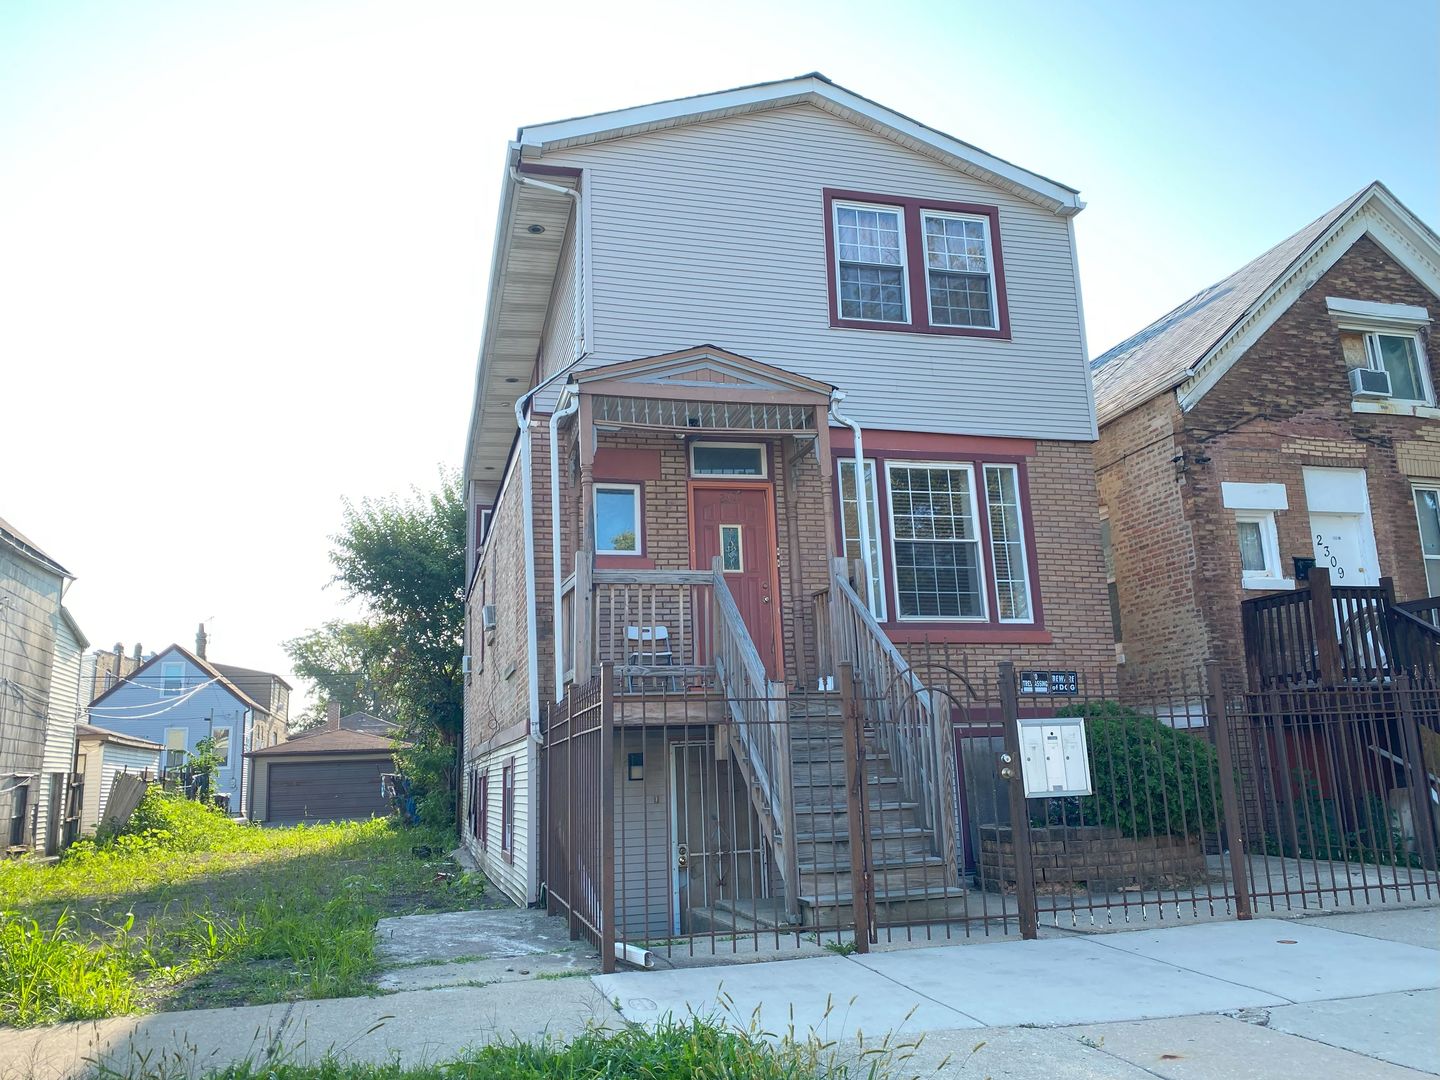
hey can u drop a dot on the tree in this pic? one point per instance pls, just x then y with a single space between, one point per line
404 560
347 663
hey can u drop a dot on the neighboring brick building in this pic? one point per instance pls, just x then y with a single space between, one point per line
702 345
1236 444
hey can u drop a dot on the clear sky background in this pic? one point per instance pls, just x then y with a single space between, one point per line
243 246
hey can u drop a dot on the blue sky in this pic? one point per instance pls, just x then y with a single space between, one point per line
243 246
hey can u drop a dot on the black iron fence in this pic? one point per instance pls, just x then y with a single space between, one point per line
1067 802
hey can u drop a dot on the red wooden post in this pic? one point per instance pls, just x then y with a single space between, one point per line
1322 618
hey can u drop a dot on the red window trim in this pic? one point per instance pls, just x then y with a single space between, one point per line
957 631
507 810
915 266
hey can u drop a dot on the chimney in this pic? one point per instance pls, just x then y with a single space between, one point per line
332 715
201 638
137 650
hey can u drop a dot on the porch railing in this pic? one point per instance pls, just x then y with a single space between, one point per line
1325 634
904 719
759 732
654 626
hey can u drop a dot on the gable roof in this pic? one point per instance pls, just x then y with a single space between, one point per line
814 89
206 667
1198 341
329 742
17 541
704 367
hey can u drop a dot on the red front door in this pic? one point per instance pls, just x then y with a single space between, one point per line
738 525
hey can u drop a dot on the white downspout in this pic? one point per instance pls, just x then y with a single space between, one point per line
561 412
862 505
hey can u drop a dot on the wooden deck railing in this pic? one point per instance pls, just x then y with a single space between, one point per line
759 733
1323 635
654 626
902 716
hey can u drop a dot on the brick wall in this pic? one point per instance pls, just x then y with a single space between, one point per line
1284 406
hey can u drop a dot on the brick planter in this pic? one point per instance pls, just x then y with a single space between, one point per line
1093 857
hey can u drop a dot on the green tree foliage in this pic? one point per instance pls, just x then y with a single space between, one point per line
404 560
347 663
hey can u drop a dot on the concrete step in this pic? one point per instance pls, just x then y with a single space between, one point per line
936 903
739 916
837 849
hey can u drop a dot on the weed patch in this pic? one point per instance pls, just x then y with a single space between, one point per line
187 908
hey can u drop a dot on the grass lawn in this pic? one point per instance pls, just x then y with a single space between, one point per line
191 910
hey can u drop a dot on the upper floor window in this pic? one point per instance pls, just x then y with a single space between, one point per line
917 265
1398 355
172 678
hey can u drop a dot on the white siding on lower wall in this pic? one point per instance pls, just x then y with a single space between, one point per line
517 879
113 761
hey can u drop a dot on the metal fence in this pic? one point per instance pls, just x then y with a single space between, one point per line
1185 799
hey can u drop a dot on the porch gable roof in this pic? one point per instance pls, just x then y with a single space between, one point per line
704 372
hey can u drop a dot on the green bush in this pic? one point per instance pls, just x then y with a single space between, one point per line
1150 779
180 824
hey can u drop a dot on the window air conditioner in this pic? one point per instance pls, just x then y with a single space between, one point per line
1369 383
487 618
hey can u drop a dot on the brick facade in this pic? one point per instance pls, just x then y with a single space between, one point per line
1285 405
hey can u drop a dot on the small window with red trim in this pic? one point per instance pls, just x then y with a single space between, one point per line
482 811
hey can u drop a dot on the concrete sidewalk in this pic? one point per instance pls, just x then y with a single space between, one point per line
1259 998
1346 995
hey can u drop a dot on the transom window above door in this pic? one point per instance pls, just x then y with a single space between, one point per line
727 459
915 265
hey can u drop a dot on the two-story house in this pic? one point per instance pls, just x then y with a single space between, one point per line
1284 418
176 699
702 314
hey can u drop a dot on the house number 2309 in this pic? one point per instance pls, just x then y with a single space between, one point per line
1324 550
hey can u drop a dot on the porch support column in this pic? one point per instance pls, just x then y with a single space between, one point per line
798 618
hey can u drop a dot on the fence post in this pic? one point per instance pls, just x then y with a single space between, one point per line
862 899
1322 619
572 852
607 817
1415 779
1229 795
1019 807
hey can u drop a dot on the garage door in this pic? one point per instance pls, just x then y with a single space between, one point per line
327 790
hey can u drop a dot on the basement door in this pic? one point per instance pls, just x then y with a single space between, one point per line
738 525
718 856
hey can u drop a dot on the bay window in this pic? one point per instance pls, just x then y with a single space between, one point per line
850 528
1007 543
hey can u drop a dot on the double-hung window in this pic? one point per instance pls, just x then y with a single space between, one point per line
913 264
958 273
1398 355
172 678
870 263
220 739
935 541
1427 513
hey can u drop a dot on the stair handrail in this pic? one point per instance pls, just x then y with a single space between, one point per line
757 708
912 729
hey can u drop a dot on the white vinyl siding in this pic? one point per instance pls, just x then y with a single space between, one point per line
685 253
64 713
514 879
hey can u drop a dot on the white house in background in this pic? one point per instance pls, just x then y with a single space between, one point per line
176 699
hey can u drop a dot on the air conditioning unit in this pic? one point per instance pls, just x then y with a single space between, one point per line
1369 383
487 618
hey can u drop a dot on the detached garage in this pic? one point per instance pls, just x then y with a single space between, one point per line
331 775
